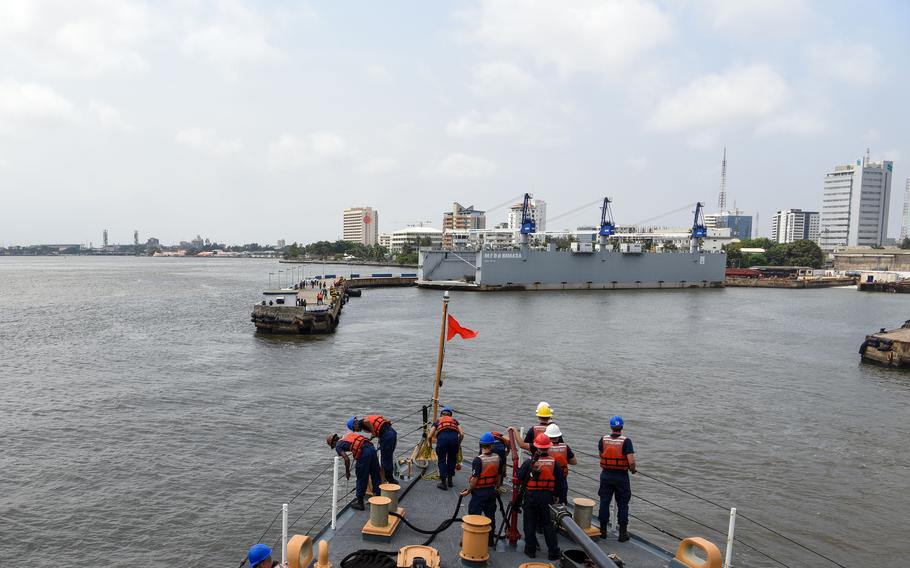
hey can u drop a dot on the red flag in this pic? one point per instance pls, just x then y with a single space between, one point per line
455 327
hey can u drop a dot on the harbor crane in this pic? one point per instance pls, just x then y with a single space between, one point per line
607 226
528 225
699 229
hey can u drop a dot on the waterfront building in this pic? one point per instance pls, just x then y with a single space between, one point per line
790 225
460 218
538 211
740 225
281 243
905 213
361 225
855 204
415 237
385 240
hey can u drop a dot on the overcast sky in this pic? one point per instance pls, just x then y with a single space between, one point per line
245 121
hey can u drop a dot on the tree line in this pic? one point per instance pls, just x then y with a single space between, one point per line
798 253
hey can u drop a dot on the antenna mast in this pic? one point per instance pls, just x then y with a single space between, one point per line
722 196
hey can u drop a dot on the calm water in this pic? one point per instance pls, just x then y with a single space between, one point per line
144 423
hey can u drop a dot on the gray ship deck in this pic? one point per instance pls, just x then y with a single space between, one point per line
426 507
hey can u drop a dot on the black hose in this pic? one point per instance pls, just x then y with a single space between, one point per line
443 526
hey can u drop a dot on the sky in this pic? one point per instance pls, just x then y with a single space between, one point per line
251 121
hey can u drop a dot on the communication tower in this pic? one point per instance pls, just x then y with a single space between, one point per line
722 196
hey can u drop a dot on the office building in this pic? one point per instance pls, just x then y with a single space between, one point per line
361 225
791 225
461 218
855 203
385 240
905 213
740 225
415 237
537 210
281 243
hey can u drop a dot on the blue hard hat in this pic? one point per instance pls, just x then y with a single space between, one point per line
447 409
258 553
487 438
351 423
616 422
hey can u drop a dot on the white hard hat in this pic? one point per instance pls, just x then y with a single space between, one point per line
543 404
553 431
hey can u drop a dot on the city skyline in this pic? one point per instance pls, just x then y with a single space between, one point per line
250 121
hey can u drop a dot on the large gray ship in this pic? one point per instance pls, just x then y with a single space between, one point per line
604 265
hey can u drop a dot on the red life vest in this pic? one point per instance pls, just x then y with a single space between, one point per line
560 453
611 456
489 470
546 475
357 443
375 423
446 423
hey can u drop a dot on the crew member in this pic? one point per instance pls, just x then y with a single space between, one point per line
543 481
448 435
563 454
366 466
544 419
380 428
485 478
617 459
260 556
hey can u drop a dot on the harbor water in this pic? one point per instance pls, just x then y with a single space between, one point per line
143 423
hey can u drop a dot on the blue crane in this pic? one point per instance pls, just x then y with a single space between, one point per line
699 230
528 225
607 227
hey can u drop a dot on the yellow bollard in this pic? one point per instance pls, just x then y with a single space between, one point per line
379 511
475 531
582 513
391 490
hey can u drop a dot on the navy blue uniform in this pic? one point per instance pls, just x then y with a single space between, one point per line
501 450
388 439
447 444
537 510
483 499
365 467
615 482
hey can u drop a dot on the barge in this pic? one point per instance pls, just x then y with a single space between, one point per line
299 310
888 347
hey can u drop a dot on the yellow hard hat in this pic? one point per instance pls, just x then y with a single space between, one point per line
544 412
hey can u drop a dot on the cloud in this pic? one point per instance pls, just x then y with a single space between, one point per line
474 124
380 165
638 163
208 142
108 117
379 73
583 36
500 78
30 104
756 17
740 94
798 122
87 39
237 36
857 64
290 151
457 165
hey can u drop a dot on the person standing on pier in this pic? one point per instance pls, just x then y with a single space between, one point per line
382 429
448 436
563 455
617 459
485 478
544 419
366 463
543 482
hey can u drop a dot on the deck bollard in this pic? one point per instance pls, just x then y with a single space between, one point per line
379 511
391 490
475 538
583 512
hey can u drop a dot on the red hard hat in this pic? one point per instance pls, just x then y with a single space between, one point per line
542 441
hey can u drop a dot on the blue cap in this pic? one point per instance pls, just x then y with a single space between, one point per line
487 438
351 423
258 553
447 409
616 422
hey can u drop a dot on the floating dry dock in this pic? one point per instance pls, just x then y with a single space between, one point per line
889 347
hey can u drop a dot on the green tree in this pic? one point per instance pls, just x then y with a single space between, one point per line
905 244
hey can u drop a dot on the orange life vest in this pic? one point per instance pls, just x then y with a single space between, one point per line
489 470
546 474
375 423
560 453
446 423
611 456
539 429
357 443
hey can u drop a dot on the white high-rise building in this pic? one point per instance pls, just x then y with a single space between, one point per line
905 214
538 211
855 204
791 225
361 225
